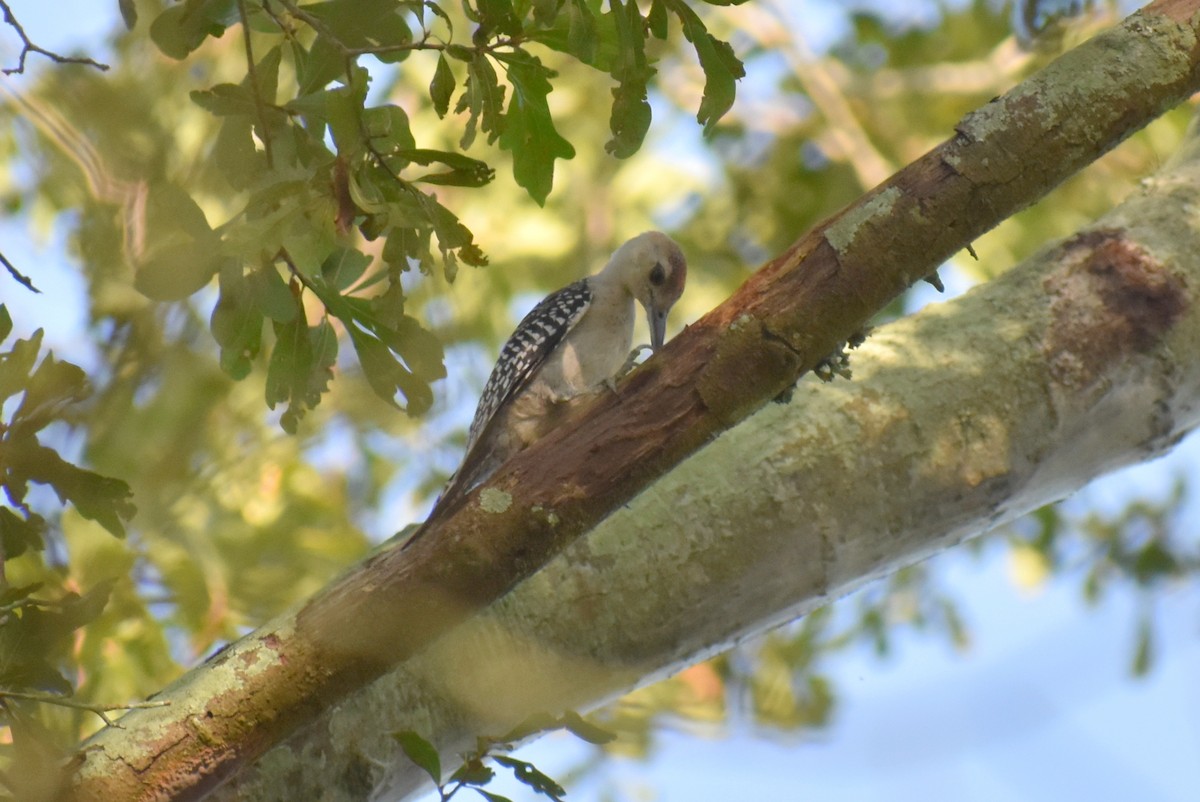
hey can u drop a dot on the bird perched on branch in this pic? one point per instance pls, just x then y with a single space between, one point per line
574 342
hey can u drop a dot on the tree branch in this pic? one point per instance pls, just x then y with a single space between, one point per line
256 89
960 418
17 275
100 710
789 315
28 47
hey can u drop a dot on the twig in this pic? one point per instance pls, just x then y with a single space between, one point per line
426 42
28 47
288 31
99 710
20 277
252 72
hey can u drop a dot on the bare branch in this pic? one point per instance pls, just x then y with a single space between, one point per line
28 47
100 710
20 277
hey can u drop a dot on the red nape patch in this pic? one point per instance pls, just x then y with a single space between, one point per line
1110 297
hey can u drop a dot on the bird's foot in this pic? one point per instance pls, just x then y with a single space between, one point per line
631 360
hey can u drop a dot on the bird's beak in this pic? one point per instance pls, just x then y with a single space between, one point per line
657 318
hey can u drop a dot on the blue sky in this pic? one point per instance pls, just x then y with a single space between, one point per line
1041 707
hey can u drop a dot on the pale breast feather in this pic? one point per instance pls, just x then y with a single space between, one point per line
536 337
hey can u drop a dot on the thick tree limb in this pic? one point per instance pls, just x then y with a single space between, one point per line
794 311
959 418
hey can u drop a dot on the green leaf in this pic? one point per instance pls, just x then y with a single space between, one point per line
420 348
473 772
317 66
875 627
6 324
27 671
1093 585
309 242
37 756
235 155
529 131
442 86
388 129
368 192
464 172
344 267
10 594
183 27
306 356
18 535
177 270
366 25
288 370
78 611
267 73
721 67
49 390
496 16
1143 656
488 795
181 253
98 498
171 211
236 323
585 730
437 11
224 100
404 244
300 369
529 775
544 12
483 98
531 725
582 39
16 365
129 13
631 114
1153 562
387 376
421 753
452 235
656 20
344 105
37 635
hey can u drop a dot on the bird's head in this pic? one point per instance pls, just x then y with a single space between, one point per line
654 271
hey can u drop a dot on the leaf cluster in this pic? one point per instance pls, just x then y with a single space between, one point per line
46 390
475 774
318 160
36 633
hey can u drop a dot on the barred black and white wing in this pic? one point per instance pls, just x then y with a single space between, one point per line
536 337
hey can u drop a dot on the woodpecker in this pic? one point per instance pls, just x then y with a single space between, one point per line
574 342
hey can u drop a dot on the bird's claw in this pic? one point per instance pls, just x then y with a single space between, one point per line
631 360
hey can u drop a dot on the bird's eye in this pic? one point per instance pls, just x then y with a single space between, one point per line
658 274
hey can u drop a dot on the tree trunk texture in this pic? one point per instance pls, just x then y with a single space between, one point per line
966 415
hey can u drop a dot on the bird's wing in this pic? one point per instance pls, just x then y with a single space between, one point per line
535 338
